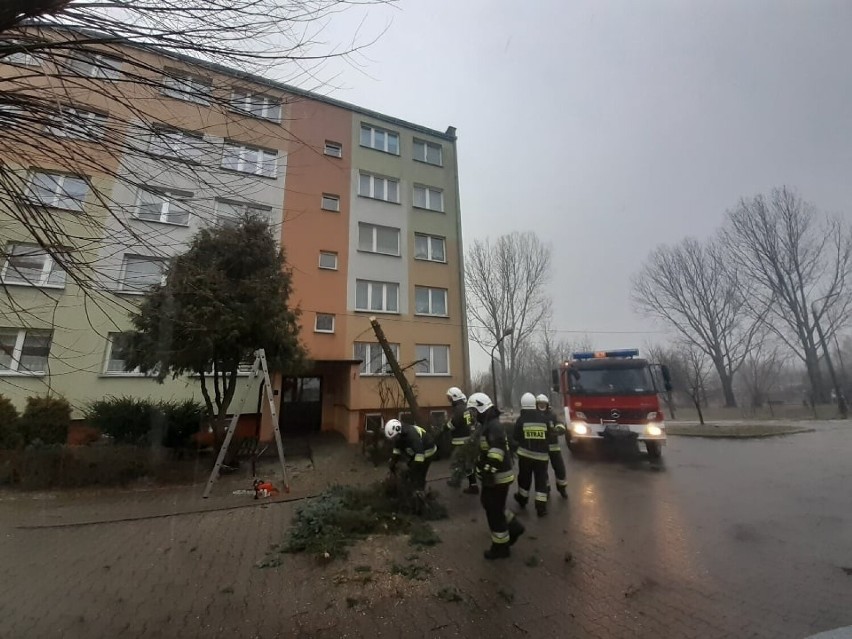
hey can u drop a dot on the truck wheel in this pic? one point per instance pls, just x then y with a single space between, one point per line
575 447
655 449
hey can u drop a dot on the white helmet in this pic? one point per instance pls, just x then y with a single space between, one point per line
393 427
480 402
527 401
454 394
542 399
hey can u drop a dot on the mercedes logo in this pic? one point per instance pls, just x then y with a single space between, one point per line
615 414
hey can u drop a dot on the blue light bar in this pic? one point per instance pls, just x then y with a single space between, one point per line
624 352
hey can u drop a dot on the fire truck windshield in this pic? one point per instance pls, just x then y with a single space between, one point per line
611 381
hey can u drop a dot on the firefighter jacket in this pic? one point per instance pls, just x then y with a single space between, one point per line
557 428
415 443
461 424
494 465
533 435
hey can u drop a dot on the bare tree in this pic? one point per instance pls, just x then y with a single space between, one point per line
760 373
796 258
537 362
696 367
691 288
64 63
506 284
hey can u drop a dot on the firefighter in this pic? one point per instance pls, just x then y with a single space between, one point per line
557 428
494 468
532 434
461 426
416 444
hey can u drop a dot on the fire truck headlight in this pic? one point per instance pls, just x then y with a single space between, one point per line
654 431
579 428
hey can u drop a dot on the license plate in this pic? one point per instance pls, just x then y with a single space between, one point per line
618 428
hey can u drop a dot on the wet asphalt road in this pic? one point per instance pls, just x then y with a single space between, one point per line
722 539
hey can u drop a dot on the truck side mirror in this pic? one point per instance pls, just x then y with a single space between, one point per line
667 378
554 380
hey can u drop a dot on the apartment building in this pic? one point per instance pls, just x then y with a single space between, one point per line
366 206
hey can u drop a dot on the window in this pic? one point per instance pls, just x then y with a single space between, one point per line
430 301
330 202
334 149
141 273
324 323
118 351
22 57
429 247
432 360
438 418
428 198
406 417
77 124
374 423
376 296
249 159
59 191
31 265
168 207
328 260
379 139
428 152
94 65
230 213
256 105
183 86
380 188
378 239
172 143
24 351
373 360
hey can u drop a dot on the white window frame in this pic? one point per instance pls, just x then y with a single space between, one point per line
374 232
431 360
370 138
111 337
425 157
333 149
21 58
377 288
242 102
186 87
248 209
429 254
171 199
49 268
368 416
77 124
58 192
433 196
17 352
432 291
266 164
371 191
317 329
363 369
442 420
177 144
330 202
135 291
328 254
97 65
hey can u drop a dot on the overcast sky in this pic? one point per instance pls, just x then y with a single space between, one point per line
609 127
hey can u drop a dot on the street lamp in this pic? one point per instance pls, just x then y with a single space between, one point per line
505 334
841 401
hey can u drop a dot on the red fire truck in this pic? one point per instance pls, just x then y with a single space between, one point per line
612 395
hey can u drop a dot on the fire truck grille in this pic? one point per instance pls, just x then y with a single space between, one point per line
625 415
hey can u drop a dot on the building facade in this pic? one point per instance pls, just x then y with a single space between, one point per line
146 148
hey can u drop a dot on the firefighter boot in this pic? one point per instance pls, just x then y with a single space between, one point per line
562 492
516 529
472 489
497 551
541 508
521 500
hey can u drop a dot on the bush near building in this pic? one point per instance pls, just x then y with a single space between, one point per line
45 421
